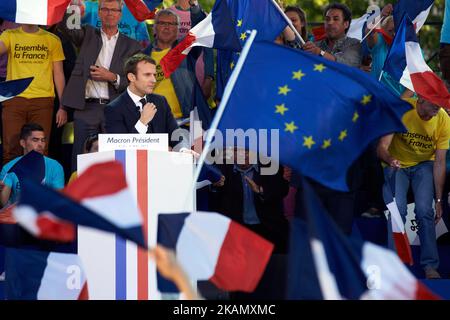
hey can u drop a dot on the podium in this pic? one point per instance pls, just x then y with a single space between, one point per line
161 182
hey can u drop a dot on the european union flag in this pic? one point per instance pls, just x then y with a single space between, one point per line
260 15
327 113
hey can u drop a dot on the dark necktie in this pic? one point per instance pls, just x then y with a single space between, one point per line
143 101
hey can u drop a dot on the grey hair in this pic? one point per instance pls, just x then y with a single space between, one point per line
120 2
166 12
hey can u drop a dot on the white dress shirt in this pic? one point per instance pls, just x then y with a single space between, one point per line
99 89
139 126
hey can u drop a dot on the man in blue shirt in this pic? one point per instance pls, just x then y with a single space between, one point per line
32 137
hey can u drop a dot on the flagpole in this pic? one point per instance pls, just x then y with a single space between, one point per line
370 30
226 96
289 22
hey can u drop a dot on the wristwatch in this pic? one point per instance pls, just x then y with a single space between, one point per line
322 53
114 82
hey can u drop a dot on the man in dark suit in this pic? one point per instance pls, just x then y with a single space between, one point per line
98 76
138 110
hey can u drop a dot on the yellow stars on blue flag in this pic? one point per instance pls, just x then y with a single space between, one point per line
291 127
319 67
326 144
232 65
298 75
355 116
281 109
343 135
243 36
308 142
284 90
239 23
366 99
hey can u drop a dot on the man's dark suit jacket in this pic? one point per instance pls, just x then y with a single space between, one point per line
121 116
89 40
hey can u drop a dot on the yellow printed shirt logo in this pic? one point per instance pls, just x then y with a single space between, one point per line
417 140
31 54
159 73
420 142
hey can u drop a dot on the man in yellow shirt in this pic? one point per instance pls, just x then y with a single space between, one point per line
181 89
417 157
32 52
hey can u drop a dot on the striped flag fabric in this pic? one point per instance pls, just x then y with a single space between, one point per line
12 88
405 63
99 198
417 10
215 31
347 268
399 234
358 25
210 246
41 12
142 10
42 275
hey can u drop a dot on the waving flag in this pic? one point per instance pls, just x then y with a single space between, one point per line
398 226
406 65
299 97
417 10
10 89
99 198
215 31
358 26
42 12
260 15
142 10
41 275
152 4
210 246
347 268
31 166
208 175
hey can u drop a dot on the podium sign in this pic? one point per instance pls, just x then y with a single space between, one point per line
161 181
127 141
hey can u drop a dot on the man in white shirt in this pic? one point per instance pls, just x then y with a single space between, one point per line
98 76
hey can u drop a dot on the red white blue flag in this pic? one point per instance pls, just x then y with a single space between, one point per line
42 12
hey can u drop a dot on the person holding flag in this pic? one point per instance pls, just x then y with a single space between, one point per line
32 138
417 157
337 46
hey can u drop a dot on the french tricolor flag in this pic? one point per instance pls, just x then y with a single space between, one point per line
417 10
215 31
42 12
98 198
41 275
345 268
210 246
399 235
405 64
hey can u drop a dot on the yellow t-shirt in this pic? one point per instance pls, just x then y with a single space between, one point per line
164 86
422 139
32 55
